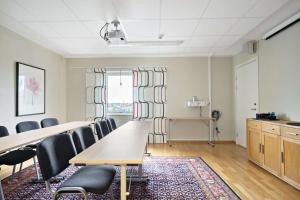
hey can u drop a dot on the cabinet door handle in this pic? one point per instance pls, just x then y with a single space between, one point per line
259 148
263 149
295 134
282 157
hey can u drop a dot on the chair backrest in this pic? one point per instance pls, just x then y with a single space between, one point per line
98 130
54 154
49 122
83 138
104 128
112 123
27 126
3 131
109 125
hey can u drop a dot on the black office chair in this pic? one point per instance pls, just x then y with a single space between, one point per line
104 128
28 126
54 154
83 138
112 123
98 130
109 125
49 122
15 157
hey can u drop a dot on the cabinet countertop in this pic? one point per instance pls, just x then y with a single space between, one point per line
276 122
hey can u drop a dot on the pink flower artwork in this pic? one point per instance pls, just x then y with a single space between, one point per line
33 85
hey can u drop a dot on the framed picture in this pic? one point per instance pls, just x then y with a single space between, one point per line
30 90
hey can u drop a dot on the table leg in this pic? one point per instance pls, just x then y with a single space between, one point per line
210 132
169 140
140 171
123 182
1 192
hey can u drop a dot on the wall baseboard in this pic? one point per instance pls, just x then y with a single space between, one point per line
203 141
241 146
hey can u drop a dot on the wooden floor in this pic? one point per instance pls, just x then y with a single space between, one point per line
230 162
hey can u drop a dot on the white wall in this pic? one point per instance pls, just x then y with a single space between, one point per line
279 73
186 77
14 48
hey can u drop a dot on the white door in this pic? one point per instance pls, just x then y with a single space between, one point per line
246 98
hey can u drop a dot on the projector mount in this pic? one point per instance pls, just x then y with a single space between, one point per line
113 36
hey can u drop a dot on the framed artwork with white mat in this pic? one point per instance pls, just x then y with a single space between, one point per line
30 90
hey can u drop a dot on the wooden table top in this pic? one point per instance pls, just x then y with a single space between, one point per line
21 139
125 145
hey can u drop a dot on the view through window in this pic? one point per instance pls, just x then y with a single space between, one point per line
119 92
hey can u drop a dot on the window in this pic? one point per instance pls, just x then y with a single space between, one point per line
119 92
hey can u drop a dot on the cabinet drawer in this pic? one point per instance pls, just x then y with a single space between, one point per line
254 124
289 132
270 128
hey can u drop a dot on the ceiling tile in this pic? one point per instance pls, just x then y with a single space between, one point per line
94 27
173 49
80 43
92 51
73 25
147 28
47 10
93 9
12 9
41 28
187 9
137 9
226 41
243 26
264 8
70 29
228 8
197 50
214 26
155 39
203 41
178 28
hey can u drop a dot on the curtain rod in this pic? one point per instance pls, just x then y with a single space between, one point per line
109 68
116 68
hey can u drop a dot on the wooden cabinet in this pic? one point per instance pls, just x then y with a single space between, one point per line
271 152
275 147
254 145
290 164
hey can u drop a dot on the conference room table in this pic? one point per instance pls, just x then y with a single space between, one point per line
124 146
18 140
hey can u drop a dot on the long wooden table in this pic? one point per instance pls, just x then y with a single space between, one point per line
18 140
125 145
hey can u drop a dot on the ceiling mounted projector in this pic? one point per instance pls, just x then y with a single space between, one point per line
117 37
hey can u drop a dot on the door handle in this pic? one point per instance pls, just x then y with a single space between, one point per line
252 108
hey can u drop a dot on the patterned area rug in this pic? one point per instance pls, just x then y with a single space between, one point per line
170 178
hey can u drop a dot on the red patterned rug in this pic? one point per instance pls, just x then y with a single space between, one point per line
170 178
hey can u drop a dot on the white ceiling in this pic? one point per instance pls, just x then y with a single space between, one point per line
71 27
